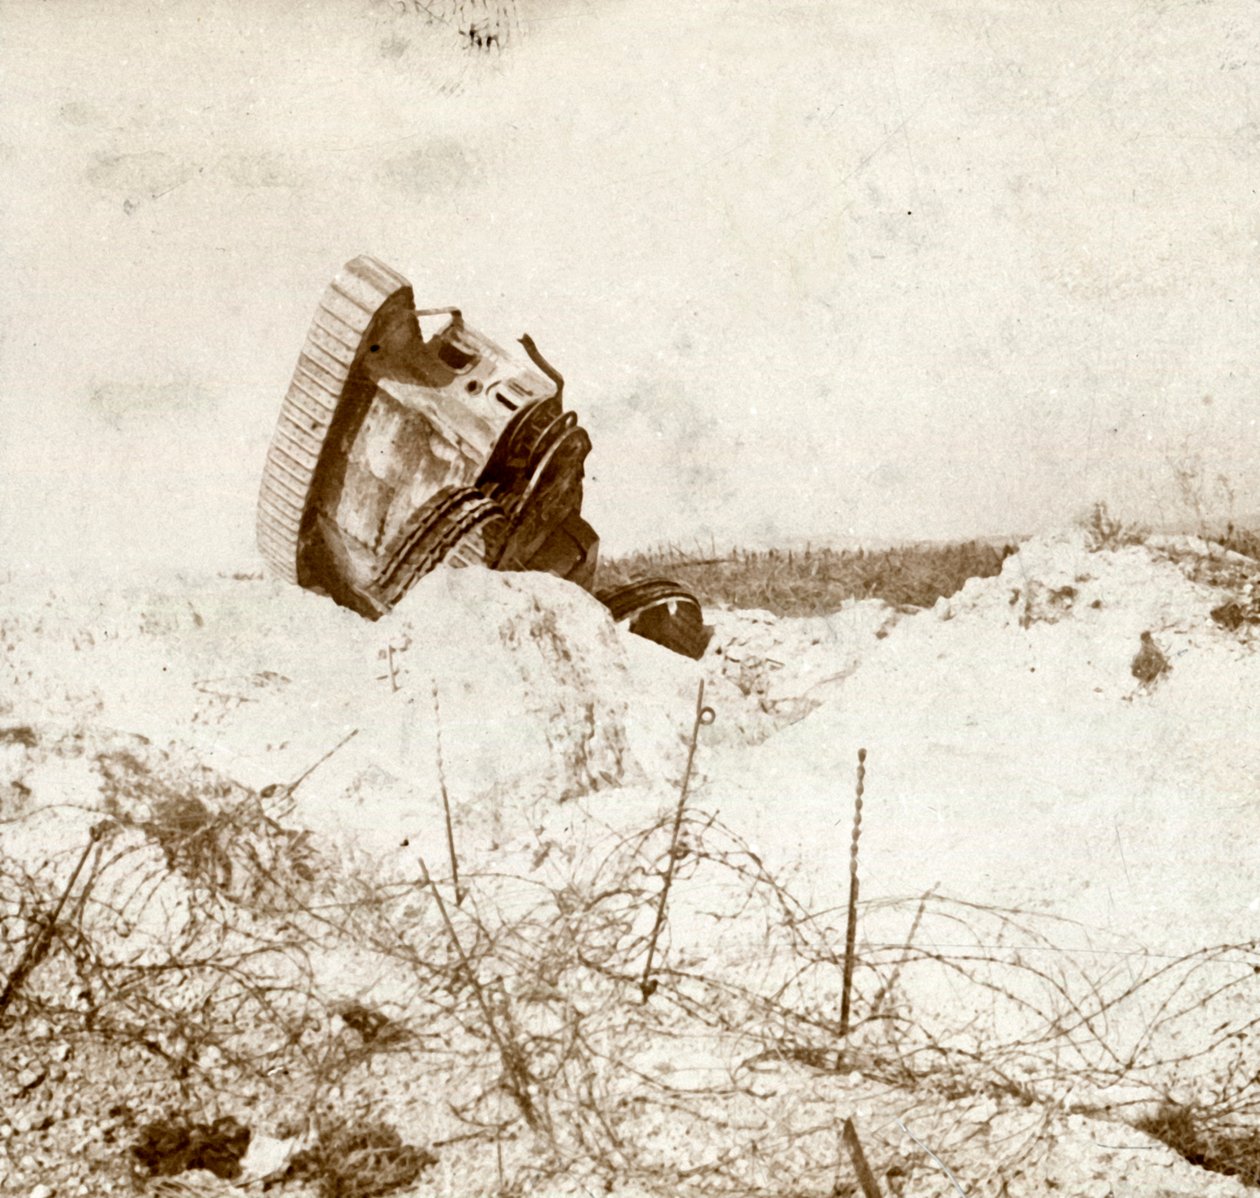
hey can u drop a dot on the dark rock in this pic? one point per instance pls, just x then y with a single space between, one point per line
170 1146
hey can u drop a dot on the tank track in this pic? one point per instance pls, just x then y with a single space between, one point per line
662 611
458 526
323 370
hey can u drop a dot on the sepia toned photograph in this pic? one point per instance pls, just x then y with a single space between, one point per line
615 597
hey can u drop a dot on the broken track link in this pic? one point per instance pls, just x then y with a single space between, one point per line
661 610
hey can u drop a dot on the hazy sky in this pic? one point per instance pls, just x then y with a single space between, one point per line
815 269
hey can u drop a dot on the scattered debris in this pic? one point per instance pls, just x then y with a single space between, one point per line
1149 663
373 1027
364 1161
1240 610
175 1145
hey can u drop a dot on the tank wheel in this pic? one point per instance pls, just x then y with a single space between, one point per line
571 552
552 492
458 526
662 611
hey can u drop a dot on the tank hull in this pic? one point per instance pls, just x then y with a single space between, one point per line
407 439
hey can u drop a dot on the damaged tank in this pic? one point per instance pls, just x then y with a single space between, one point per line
407 439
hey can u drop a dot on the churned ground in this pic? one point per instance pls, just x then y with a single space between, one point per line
421 906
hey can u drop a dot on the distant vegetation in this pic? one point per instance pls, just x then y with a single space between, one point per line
1242 540
815 581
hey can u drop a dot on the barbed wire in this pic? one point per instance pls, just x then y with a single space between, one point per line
206 937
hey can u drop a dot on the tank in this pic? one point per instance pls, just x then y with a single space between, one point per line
407 439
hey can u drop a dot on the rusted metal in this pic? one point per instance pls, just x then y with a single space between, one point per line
662 611
866 1179
37 947
850 937
704 715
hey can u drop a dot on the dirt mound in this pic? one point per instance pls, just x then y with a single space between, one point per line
518 684
767 671
1013 752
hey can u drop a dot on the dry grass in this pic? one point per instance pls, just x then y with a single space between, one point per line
1233 1152
814 581
1106 531
360 1161
1242 540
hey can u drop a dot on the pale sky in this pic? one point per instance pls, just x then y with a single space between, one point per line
822 269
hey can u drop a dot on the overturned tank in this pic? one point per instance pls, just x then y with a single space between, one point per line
407 439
